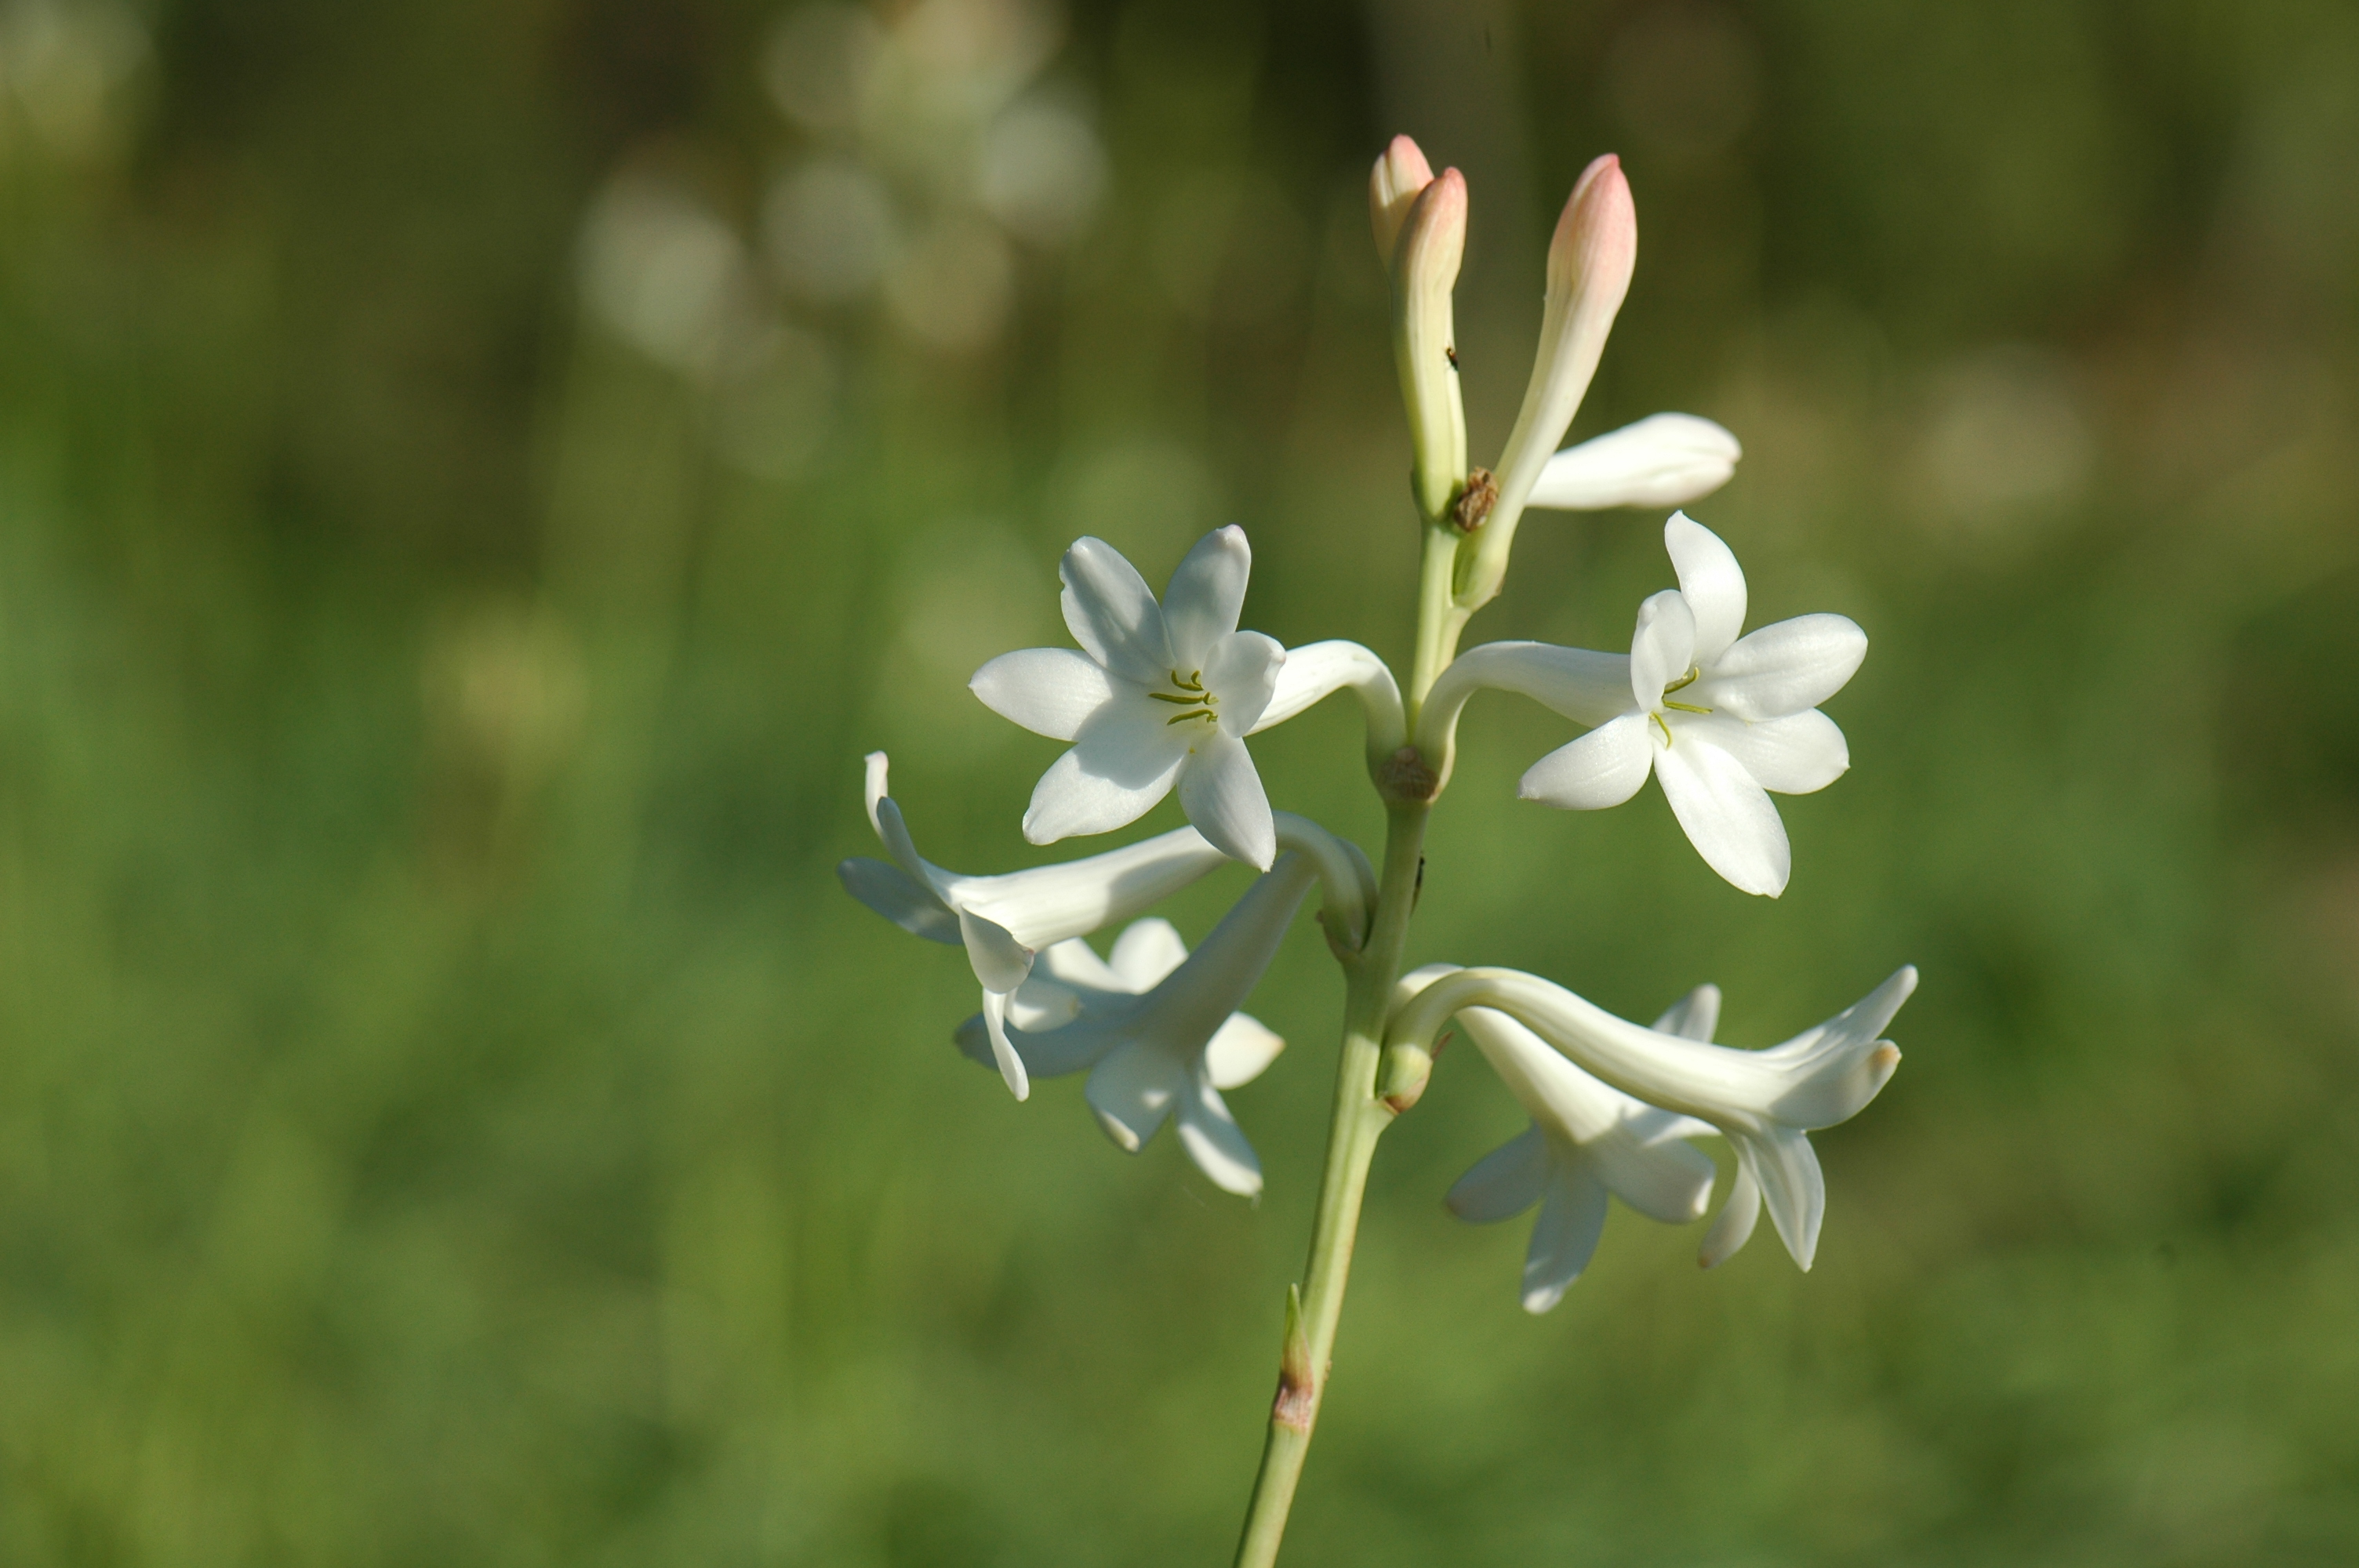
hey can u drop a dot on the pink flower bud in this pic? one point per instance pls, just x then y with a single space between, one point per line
1393 184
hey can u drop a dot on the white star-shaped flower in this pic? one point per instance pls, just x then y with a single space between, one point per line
1158 695
1003 921
1764 1102
1157 1027
1587 1139
1721 719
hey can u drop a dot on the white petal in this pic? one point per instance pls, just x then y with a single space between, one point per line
1734 1228
893 893
1503 1182
1318 670
1603 768
1240 1051
879 768
1076 963
1205 595
1726 815
1213 1141
1792 1189
1662 460
1587 686
1146 952
1133 1090
1003 1052
1564 1237
1712 582
1042 1005
1112 615
1694 1016
1222 797
1124 762
1050 691
1071 1049
1047 904
1661 1177
1793 755
1663 648
886 815
1789 667
998 959
1840 1066
1242 671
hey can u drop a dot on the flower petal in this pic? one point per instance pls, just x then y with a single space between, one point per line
1133 1090
1603 768
1734 1228
998 959
1789 667
1663 647
1050 691
1122 763
1205 595
1503 1182
1662 460
1070 1049
1793 755
1793 1188
1076 963
1146 952
1212 1139
1660 1177
1003 1052
1047 904
1240 1050
1726 815
1112 614
1318 670
1222 797
1587 686
1712 582
1242 671
1694 1016
894 894
1564 1237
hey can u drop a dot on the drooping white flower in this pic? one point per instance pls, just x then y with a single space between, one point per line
1158 1028
1003 921
1158 695
1720 719
1764 1102
1587 1139
1664 459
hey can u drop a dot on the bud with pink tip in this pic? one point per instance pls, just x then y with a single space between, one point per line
1393 185
1590 261
1431 243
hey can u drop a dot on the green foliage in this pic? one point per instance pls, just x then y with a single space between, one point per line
448 1113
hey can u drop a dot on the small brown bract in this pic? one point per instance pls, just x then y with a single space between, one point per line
1473 507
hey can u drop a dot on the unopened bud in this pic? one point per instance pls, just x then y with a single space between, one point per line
1425 269
1590 261
1393 184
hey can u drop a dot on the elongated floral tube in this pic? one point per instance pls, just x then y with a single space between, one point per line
1664 459
1585 686
1424 270
1590 261
1347 883
1318 670
1400 174
1763 1101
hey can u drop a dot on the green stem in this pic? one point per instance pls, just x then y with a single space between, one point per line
1439 619
1360 1118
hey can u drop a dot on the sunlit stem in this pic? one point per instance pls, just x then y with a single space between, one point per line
1359 1119
1439 619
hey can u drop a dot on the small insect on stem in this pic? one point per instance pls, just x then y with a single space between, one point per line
1450 352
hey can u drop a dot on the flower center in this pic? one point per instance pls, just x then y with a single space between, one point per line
1681 684
1189 694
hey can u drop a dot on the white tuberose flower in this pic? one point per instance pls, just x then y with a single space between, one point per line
1003 921
1586 1139
1764 1102
1159 1027
1158 695
1719 719
1664 459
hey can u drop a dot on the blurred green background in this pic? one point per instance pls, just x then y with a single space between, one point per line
474 478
